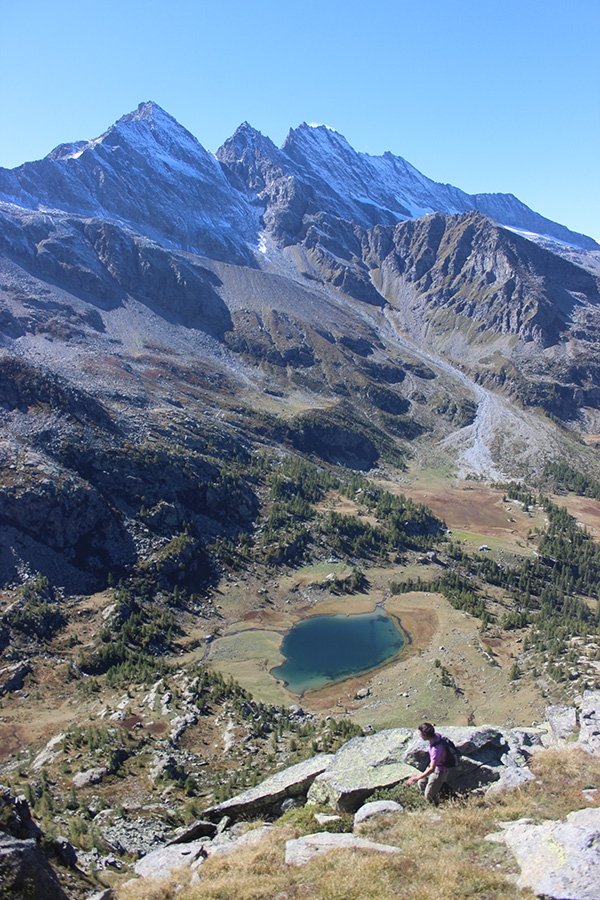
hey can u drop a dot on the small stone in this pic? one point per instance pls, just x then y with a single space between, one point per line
376 808
325 819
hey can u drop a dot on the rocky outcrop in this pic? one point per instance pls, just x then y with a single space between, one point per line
347 778
384 759
12 677
562 721
24 868
90 776
492 759
25 872
49 753
164 860
558 860
267 796
589 722
15 817
473 269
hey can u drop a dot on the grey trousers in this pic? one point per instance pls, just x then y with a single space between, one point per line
432 786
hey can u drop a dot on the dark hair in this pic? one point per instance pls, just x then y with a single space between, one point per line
427 730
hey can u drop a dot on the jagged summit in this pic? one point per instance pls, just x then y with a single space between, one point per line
149 109
149 122
147 125
247 154
148 172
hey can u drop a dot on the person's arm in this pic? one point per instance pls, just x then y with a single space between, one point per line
424 774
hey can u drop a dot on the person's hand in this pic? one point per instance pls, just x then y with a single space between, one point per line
412 780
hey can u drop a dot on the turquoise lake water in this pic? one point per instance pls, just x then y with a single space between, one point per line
328 648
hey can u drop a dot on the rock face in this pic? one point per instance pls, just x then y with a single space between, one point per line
146 169
559 860
469 266
589 721
25 871
316 169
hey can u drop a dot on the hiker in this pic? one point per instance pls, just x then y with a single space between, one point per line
431 780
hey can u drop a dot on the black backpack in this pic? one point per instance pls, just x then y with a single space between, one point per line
452 754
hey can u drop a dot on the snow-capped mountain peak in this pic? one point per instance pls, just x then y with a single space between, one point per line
146 171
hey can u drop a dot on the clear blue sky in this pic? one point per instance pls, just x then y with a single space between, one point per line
488 95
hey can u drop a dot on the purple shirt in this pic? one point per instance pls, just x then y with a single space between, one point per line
437 754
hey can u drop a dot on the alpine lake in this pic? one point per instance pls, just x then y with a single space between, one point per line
321 649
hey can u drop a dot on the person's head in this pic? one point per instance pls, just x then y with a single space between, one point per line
427 731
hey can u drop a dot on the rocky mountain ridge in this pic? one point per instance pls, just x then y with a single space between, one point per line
316 169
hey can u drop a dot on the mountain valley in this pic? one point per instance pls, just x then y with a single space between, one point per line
241 389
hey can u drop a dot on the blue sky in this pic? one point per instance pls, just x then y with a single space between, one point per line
488 95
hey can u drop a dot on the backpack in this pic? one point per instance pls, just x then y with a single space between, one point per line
452 754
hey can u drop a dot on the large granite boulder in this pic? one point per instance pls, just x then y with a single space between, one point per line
360 767
300 850
562 721
90 776
377 808
511 778
558 860
266 798
164 860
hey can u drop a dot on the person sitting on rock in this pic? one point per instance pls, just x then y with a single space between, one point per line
431 780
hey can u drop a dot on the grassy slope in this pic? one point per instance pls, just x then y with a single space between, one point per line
443 855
